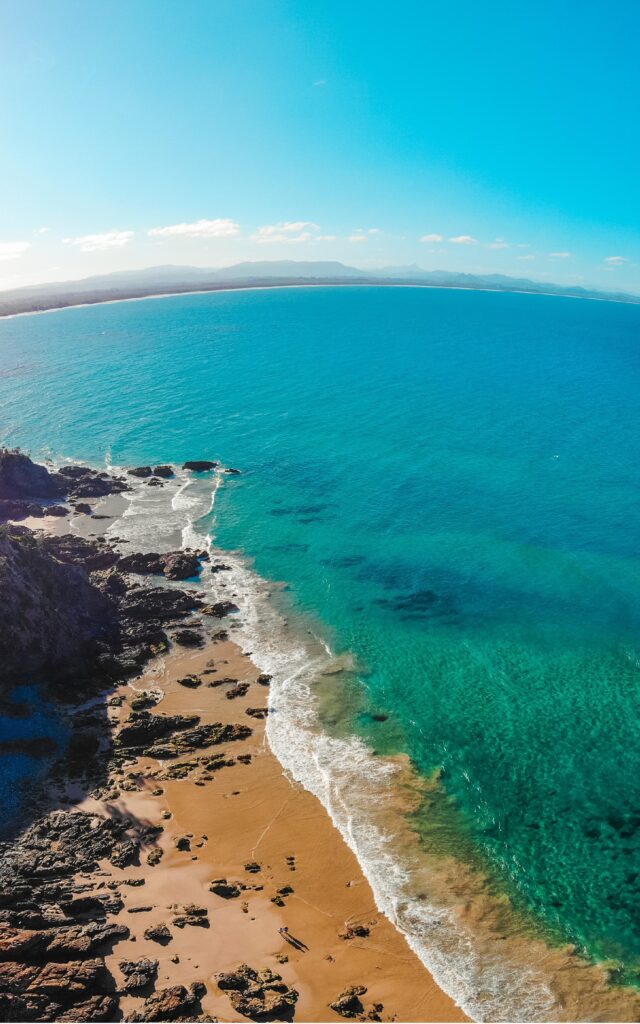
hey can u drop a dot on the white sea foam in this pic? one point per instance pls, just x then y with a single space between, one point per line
347 778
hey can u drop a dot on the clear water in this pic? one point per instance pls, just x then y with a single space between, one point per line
448 481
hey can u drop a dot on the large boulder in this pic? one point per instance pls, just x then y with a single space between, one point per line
200 465
22 478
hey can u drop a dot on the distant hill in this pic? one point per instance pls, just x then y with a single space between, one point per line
168 279
316 269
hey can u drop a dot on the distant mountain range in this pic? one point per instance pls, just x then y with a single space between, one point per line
164 280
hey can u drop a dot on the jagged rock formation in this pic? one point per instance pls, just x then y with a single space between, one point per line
51 616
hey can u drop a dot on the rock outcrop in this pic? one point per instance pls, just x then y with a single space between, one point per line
259 995
22 478
51 617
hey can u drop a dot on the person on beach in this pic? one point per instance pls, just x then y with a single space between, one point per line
296 943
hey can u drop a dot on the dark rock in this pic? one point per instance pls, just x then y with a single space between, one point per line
158 933
143 700
140 471
232 472
263 679
193 739
163 471
50 614
82 482
19 508
174 1003
125 853
83 746
197 917
237 691
219 609
85 509
192 682
22 478
181 565
188 638
221 887
259 995
142 729
138 973
200 466
257 712
141 563
348 1003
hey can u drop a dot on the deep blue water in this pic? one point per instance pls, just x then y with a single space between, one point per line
450 483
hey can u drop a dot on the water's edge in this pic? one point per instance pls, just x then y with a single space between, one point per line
488 979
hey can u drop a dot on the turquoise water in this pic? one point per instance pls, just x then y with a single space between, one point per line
449 482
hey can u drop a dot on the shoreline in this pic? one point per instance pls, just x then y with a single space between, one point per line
250 809
467 947
251 812
320 284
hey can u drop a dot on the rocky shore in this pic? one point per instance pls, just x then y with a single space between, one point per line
169 870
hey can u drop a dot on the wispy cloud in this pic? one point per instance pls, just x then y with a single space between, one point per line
363 234
499 243
106 240
287 231
560 255
529 256
41 231
319 81
464 240
12 250
221 227
616 261
432 238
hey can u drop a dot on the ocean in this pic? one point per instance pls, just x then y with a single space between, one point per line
436 533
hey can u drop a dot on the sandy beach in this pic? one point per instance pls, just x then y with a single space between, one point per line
251 813
291 896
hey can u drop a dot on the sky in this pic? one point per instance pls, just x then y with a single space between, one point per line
499 137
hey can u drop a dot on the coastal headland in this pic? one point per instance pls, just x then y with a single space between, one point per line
168 869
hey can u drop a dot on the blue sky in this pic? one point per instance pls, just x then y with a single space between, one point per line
465 136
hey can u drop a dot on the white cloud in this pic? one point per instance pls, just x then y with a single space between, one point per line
529 256
41 231
12 250
287 231
221 227
498 244
320 81
464 240
432 238
362 234
326 238
560 255
616 261
106 240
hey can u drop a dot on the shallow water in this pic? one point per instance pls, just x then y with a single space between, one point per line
448 483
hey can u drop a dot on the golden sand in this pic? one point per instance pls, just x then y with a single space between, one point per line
244 813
